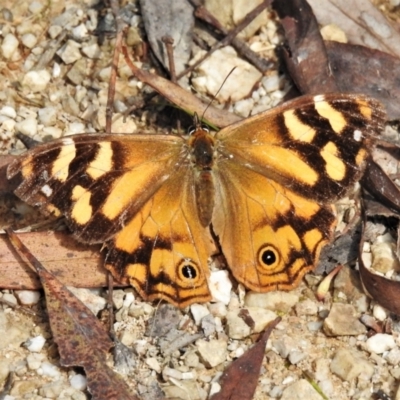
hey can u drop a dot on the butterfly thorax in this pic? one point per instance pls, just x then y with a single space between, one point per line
202 156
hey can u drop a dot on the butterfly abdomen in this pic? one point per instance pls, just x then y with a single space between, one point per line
202 152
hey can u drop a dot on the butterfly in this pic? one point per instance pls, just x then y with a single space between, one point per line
262 187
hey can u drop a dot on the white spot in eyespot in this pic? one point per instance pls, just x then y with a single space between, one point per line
357 135
230 156
319 97
67 141
47 190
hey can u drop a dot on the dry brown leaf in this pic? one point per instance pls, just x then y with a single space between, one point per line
79 335
75 264
362 23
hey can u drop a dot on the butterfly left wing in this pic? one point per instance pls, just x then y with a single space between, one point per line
276 177
135 194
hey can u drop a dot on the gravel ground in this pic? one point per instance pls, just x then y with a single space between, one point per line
54 81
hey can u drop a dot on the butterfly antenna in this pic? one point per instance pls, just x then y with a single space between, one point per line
213 98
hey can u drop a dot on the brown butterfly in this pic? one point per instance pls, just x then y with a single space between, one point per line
264 187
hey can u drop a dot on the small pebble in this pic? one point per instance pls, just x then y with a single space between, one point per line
153 364
198 312
220 286
36 81
28 297
47 115
78 382
35 344
36 7
212 352
274 301
49 369
8 111
379 343
29 40
379 312
70 52
9 45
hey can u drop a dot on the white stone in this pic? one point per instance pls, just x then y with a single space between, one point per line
34 361
300 389
212 72
271 83
49 369
153 364
70 52
90 298
295 356
212 352
379 312
80 32
198 312
48 116
379 343
91 50
28 297
35 344
74 128
220 286
393 356
275 301
348 365
171 373
218 309
261 317
236 327
243 107
10 298
56 70
36 81
28 126
54 31
215 388
128 299
8 125
36 7
29 40
8 111
78 382
9 45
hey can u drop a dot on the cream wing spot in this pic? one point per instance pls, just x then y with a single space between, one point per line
102 163
335 167
361 156
335 118
82 210
60 168
297 129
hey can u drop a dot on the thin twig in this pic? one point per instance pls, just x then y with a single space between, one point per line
168 42
261 64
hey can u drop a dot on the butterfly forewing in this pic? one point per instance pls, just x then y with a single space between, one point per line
97 181
316 145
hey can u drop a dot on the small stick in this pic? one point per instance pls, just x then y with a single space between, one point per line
261 64
168 42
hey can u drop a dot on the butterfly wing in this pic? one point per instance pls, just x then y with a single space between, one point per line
132 192
277 175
